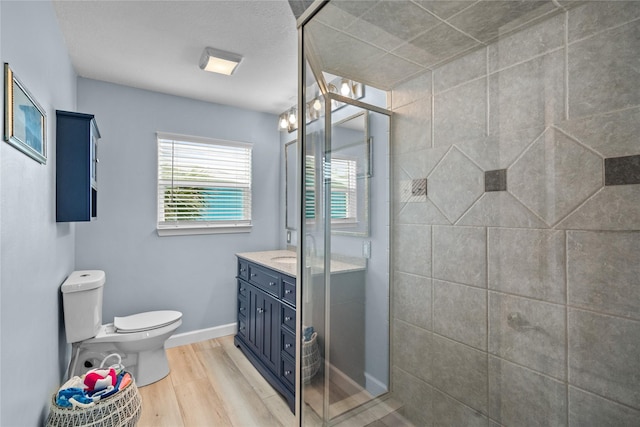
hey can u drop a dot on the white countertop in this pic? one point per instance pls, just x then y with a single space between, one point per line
269 259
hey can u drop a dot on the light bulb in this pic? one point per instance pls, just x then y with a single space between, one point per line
317 105
283 123
292 118
344 88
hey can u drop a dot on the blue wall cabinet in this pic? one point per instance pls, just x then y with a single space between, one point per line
76 166
266 324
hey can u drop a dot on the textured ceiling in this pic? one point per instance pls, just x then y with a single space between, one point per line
388 42
156 45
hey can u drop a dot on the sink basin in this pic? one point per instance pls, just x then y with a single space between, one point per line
285 259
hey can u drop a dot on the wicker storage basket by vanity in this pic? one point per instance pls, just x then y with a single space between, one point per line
121 409
310 358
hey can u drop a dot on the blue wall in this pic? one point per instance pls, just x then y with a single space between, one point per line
36 253
192 274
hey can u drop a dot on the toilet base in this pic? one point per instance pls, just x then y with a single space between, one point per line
146 367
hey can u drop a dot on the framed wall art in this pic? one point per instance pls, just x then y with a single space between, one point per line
24 118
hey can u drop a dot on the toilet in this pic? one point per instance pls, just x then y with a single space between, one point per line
139 339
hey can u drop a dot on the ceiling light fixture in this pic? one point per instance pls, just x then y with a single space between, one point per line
219 61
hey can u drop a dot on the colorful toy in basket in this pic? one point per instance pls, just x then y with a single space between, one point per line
100 379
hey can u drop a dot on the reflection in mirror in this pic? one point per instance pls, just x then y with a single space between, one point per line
291 196
350 173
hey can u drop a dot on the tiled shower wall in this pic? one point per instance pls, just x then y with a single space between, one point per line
516 294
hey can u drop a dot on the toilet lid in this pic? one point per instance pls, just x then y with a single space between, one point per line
145 321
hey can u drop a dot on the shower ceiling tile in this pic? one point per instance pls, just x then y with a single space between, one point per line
382 72
455 184
612 208
437 45
487 20
444 9
329 47
341 13
555 175
402 19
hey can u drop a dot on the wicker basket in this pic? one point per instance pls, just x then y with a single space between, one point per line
310 358
121 409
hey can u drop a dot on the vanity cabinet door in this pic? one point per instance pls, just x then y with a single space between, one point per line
264 327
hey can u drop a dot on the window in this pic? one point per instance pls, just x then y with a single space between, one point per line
343 190
204 185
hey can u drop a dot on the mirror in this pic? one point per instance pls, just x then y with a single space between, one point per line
350 173
290 193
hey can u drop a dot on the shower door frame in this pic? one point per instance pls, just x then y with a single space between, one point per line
309 13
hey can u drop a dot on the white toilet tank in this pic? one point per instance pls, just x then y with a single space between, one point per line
82 304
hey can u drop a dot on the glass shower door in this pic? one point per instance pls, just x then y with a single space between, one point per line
345 295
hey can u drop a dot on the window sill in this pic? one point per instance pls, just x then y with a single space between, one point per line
197 230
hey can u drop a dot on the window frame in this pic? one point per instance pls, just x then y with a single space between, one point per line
197 227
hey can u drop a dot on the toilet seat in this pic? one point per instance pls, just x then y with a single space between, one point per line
145 321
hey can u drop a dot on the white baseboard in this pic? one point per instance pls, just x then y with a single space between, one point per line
374 386
191 337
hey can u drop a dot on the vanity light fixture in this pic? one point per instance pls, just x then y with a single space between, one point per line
219 61
314 108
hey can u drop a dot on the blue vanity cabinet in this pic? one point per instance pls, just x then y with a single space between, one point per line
76 166
266 324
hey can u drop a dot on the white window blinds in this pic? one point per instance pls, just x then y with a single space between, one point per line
203 184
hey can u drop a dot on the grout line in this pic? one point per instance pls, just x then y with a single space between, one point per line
566 321
566 65
488 92
433 110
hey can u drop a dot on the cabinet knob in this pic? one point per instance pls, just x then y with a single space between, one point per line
253 274
260 310
287 318
287 291
242 308
242 289
287 345
287 373
242 328
242 270
272 283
